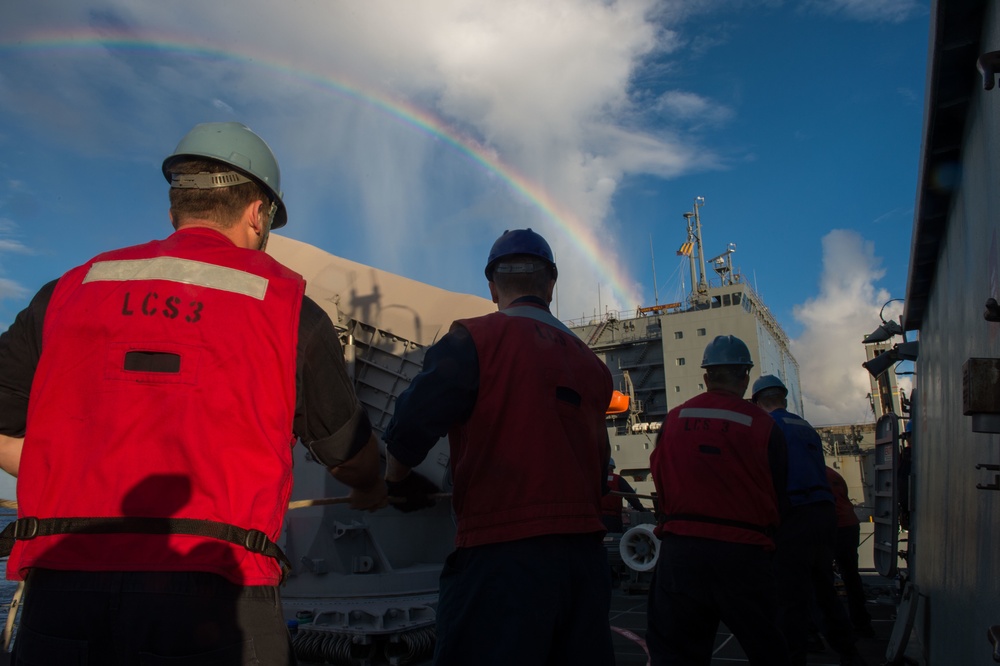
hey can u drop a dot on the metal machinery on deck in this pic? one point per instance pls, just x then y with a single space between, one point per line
363 587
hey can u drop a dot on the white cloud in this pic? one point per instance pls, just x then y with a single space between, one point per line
889 11
222 106
687 106
829 350
8 245
543 85
546 87
9 289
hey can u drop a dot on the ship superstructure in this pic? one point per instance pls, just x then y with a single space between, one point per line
655 352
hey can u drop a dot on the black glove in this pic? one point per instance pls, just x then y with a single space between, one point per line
415 490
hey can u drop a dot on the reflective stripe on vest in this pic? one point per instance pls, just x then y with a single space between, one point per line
724 414
185 271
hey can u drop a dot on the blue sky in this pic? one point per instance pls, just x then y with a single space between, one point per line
798 122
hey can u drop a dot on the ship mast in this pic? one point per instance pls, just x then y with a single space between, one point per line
688 249
699 285
702 283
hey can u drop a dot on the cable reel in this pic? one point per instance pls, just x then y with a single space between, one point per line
639 548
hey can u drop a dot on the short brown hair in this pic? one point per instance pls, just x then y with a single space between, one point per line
726 375
222 205
535 283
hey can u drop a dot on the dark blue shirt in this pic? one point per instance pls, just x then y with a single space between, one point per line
442 394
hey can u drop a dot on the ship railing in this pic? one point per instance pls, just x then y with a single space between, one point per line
769 319
612 316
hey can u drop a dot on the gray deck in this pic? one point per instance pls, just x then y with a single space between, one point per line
628 612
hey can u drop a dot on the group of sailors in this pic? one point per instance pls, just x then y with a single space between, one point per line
151 397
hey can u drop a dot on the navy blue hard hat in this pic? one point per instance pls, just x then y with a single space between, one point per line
726 350
519 241
765 382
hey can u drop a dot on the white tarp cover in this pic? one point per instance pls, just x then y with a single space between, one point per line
348 290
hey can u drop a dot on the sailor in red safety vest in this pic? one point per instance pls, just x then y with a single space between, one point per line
845 554
719 467
529 579
612 504
150 401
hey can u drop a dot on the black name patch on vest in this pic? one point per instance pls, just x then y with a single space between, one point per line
171 307
152 361
566 394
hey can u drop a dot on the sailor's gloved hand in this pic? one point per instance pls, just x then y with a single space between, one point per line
369 498
412 492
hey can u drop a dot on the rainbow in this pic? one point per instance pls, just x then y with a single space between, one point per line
623 288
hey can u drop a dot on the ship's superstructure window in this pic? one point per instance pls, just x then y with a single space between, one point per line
701 331
716 302
677 389
701 387
678 335
680 361
736 298
726 300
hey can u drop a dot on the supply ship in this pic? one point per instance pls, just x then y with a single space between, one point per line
654 353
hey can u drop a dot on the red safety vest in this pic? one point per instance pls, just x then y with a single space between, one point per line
165 391
612 505
846 515
530 459
711 471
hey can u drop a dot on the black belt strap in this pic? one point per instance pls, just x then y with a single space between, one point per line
718 521
806 491
253 540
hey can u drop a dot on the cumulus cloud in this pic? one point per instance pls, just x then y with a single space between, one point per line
829 350
546 88
368 103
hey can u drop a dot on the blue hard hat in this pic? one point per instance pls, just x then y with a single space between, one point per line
726 350
765 382
519 241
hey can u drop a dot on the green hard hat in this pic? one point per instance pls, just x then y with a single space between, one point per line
726 350
236 145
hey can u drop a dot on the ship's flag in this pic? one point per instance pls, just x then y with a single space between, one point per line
686 249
